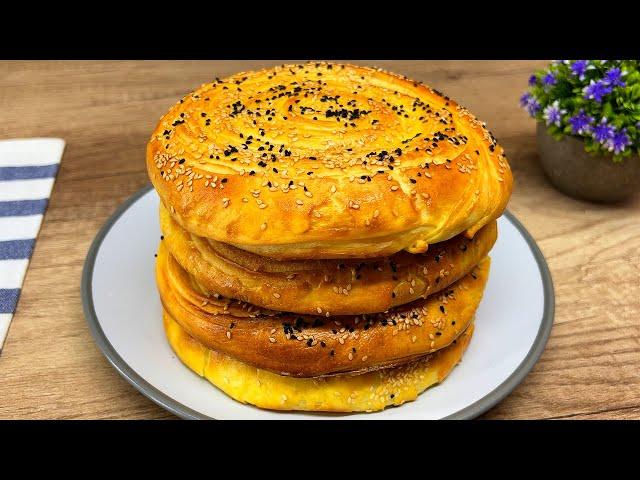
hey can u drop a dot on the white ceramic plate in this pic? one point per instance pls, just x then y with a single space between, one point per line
123 310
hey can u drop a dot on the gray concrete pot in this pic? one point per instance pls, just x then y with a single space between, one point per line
582 175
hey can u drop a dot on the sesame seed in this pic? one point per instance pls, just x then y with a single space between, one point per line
299 202
277 295
229 335
272 340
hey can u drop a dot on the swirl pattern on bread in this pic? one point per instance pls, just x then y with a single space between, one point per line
326 161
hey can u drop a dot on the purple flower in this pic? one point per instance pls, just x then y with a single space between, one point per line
613 77
525 99
532 80
553 114
530 103
579 68
581 123
549 79
618 142
596 90
533 107
603 132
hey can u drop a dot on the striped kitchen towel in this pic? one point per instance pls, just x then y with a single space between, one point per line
27 171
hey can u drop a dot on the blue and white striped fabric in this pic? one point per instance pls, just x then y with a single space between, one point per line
27 172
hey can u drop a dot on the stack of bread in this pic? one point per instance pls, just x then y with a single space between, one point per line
325 231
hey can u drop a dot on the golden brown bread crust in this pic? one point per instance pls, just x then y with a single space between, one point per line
310 346
344 393
359 163
325 287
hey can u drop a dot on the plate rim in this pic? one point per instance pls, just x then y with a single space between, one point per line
471 411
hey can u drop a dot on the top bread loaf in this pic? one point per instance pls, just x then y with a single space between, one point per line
325 161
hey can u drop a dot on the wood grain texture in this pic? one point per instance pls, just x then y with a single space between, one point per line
50 366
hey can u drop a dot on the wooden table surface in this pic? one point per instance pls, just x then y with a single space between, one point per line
51 368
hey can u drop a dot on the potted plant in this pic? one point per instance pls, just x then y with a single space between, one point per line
588 131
